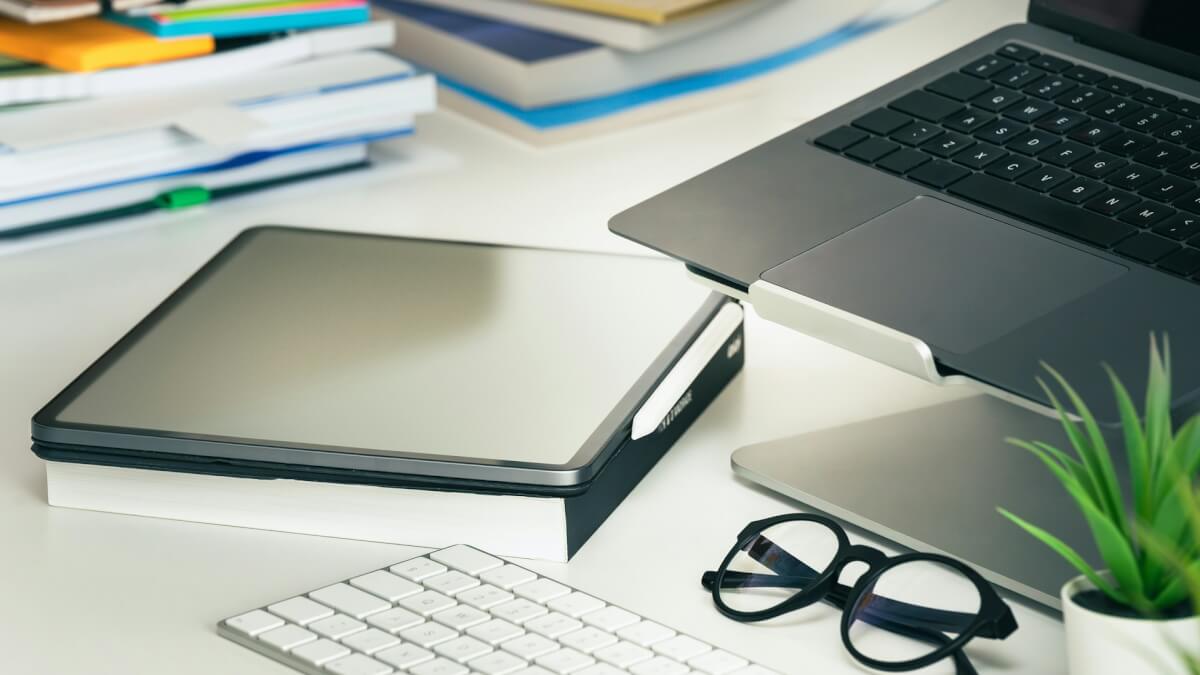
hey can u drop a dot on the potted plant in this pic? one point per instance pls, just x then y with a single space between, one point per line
1134 616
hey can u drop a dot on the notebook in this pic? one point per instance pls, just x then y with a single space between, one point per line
35 11
93 44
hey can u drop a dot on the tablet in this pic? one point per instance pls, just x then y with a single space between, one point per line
336 355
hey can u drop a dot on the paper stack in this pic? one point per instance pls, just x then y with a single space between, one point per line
170 106
554 70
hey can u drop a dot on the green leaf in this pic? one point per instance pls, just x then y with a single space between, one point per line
1078 442
1158 406
1178 459
1067 553
1118 555
1135 446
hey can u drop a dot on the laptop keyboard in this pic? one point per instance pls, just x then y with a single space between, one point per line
1052 142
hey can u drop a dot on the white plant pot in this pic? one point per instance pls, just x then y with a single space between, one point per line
1102 644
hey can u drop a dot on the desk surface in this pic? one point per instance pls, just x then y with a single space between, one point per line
100 593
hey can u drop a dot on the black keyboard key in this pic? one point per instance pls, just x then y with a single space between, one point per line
1127 143
1184 262
1094 133
1000 132
1188 168
1180 227
980 156
1062 121
1018 76
997 99
917 133
1162 155
938 173
1079 190
1032 142
927 106
967 122
1167 189
1065 154
1082 99
1158 99
1115 110
1146 247
948 144
1044 179
987 66
1113 202
1041 210
1180 131
871 149
1120 87
1050 63
883 121
1016 52
1084 74
1148 120
840 139
1050 87
959 87
1189 202
1013 167
1133 177
1030 111
1147 214
1099 165
903 160
1186 108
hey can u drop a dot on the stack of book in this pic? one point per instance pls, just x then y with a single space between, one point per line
553 70
149 107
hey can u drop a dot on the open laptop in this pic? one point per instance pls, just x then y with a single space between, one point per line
1032 196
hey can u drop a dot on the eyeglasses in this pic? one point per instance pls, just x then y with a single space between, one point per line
903 613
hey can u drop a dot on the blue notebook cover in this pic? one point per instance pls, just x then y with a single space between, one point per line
255 25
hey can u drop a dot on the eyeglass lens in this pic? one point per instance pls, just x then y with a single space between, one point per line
778 563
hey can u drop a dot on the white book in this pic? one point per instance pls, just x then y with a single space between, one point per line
43 13
598 71
633 36
159 77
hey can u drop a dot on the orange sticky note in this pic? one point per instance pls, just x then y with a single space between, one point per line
93 44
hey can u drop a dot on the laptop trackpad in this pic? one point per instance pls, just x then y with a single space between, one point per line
949 276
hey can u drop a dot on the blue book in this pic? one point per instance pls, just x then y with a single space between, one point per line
226 27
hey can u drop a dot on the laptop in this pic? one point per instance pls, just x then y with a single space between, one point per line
1032 196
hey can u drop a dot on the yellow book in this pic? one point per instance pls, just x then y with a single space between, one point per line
646 11
93 44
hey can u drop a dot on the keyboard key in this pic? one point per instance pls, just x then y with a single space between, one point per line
564 661
625 654
451 583
463 649
1113 202
1000 132
1062 121
969 121
588 640
404 656
1161 155
611 619
645 633
903 160
496 663
1030 111
959 87
682 647
394 620
1180 227
337 626
541 591
287 637
917 133
553 625
926 106
518 611
1065 154
1115 110
1189 202
349 600
1084 74
1127 143
428 634
1082 99
882 121
439 666
987 66
1133 177
495 631
1050 63
507 576
1045 179
386 585
947 144
1032 142
1180 131
1188 168
427 603
576 604
1054 214
1118 86
1099 165
836 140
1184 262
1016 52
601 669
871 149
461 617
1018 76
1146 247
251 624
466 559
300 610
484 597
997 100
980 155
371 640
659 665
1012 168
320 652
1167 188
357 664
1094 133
1148 120
530 646
418 569
718 662
1154 97
1078 190
1148 214
1050 87
1186 108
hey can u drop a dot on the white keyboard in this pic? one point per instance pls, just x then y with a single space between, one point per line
459 611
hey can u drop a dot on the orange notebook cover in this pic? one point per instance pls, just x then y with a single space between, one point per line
93 44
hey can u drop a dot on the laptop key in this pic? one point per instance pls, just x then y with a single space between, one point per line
959 87
1188 168
1078 190
1133 177
938 173
997 99
1050 63
1065 154
1148 120
1084 74
1190 203
1099 165
1049 87
1118 86
1115 110
1016 52
1000 132
1030 111
1032 142
1062 121
1184 262
840 139
1095 133
1082 99
903 160
917 133
948 144
1045 179
871 149
1167 188
1180 131
1154 97
1186 108
882 121
987 66
1042 210
1148 214
1018 76
1161 155
1146 247
1013 167
926 106
980 156
967 122
1127 143
1180 227
1113 202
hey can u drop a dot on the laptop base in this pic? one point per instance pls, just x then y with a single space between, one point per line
931 480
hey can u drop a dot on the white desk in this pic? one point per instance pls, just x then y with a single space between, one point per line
98 593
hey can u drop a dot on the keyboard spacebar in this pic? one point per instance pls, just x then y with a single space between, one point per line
1044 211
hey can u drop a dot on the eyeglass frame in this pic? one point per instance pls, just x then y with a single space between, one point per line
994 619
